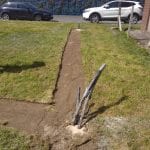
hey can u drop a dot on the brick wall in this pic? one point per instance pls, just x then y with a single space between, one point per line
146 16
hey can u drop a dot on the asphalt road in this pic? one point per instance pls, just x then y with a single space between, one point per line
65 18
77 19
74 19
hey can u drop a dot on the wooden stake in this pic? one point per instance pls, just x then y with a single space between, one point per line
119 18
130 21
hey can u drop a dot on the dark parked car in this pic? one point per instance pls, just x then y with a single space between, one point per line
23 11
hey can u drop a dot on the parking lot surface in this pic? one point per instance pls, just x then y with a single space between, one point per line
67 18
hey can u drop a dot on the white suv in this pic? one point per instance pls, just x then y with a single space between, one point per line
110 11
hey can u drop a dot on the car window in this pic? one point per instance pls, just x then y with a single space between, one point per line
113 5
5 5
126 4
21 6
9 5
31 6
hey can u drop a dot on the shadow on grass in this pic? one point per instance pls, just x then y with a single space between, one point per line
20 68
102 109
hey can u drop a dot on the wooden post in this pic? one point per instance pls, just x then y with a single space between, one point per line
78 98
88 97
85 98
130 21
77 111
119 17
83 111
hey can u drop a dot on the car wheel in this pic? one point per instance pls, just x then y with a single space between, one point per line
94 18
38 18
135 19
5 16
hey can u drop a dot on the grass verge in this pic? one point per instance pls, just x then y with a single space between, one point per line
30 54
11 139
123 88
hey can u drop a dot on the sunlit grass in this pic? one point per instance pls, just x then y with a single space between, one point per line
11 139
127 72
30 54
125 80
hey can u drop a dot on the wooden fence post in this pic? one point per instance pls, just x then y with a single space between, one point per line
130 21
119 17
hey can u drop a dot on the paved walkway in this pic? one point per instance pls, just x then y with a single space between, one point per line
142 37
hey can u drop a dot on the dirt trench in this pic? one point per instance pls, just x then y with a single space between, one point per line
51 120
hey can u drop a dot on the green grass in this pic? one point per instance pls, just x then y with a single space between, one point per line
12 140
125 80
30 54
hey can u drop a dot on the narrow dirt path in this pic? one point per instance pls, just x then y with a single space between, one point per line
71 77
44 119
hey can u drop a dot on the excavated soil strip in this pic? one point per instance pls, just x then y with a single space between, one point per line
45 119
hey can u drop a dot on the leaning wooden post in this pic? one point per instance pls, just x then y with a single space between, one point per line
78 98
90 89
86 96
76 114
83 111
130 21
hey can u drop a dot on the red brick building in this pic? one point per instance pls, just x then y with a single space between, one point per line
146 16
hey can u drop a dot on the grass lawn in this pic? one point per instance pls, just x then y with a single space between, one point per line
11 139
123 89
30 54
